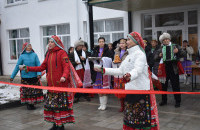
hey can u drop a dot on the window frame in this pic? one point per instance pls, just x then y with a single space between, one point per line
15 3
56 31
16 39
108 32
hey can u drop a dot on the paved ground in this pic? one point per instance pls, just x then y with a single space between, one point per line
87 117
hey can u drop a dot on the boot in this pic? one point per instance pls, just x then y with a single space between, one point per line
122 105
53 127
76 100
105 99
32 107
60 128
28 107
187 81
101 102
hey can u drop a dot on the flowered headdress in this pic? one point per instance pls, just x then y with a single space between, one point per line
136 37
25 45
57 41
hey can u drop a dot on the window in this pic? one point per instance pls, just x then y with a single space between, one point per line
15 2
110 29
16 39
61 30
192 17
170 19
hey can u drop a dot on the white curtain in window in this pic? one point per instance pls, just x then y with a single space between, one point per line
114 25
66 42
63 29
98 26
19 47
117 36
24 32
14 34
13 49
49 30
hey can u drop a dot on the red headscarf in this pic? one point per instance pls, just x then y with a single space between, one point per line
136 37
25 46
57 41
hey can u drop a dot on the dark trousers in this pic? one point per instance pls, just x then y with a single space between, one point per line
174 79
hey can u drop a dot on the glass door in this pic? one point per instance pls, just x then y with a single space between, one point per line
176 36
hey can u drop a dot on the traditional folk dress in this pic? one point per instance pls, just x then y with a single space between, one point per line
29 95
118 80
58 107
102 83
140 111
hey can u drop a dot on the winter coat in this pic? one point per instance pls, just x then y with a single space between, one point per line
29 59
136 64
72 59
106 52
117 52
189 51
179 55
56 66
95 52
153 63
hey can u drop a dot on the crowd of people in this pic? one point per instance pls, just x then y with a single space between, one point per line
127 65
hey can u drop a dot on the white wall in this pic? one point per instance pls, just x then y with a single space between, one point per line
34 15
37 13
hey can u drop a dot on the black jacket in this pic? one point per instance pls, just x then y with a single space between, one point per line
72 59
153 63
95 52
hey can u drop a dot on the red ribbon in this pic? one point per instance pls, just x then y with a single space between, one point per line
99 91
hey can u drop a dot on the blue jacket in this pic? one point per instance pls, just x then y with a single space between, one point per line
29 59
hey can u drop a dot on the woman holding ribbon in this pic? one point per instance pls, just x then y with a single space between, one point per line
29 96
58 105
140 109
100 81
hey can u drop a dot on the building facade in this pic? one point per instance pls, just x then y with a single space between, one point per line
35 21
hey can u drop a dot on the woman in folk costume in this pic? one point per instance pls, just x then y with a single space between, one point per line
187 60
171 67
78 60
29 96
98 82
140 111
58 105
120 54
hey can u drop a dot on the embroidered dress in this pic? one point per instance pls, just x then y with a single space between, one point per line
58 105
58 108
137 112
140 110
31 95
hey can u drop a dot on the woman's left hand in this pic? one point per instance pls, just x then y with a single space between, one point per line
127 77
62 79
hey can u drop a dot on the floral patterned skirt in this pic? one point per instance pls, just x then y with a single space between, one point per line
138 114
58 108
119 84
31 95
